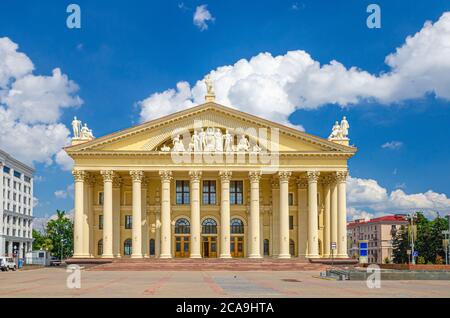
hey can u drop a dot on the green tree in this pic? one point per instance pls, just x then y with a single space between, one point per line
41 241
400 245
60 232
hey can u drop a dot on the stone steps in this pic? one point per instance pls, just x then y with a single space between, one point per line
208 265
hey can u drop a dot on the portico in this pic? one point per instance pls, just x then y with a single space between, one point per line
157 191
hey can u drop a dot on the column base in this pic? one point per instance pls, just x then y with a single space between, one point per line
254 256
195 256
165 256
284 256
107 256
313 256
225 256
118 255
136 256
80 256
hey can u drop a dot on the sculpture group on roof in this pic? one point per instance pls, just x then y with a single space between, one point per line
81 132
212 140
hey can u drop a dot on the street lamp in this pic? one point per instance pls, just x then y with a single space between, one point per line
411 233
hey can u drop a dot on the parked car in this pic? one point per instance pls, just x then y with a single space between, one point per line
7 263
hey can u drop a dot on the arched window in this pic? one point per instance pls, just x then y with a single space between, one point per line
152 247
266 247
100 247
209 226
182 226
237 226
127 247
292 247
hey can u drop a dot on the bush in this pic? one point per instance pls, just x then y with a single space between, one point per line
439 260
421 260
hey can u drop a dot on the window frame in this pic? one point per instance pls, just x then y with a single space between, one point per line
185 192
209 195
234 193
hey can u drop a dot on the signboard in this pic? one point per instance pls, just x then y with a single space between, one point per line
416 254
363 252
333 246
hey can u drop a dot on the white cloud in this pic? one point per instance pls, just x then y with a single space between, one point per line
275 86
202 16
65 193
392 145
31 106
368 196
65 162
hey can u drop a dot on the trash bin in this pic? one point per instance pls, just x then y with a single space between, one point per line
20 263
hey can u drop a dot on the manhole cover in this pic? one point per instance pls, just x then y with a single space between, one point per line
291 280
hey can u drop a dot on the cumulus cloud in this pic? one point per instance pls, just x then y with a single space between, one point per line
202 16
392 145
366 198
275 86
30 108
65 193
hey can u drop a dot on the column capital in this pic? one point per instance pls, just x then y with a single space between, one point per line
117 182
302 183
137 175
79 175
108 175
341 176
225 175
166 175
313 176
284 176
254 176
195 175
275 183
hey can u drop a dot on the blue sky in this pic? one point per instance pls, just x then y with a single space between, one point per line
126 51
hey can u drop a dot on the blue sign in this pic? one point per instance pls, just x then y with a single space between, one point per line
363 253
416 254
362 245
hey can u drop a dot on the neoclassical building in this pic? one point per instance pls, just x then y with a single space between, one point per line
210 181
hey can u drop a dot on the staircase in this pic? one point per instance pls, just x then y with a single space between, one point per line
178 264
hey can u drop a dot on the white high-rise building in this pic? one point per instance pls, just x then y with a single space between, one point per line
16 206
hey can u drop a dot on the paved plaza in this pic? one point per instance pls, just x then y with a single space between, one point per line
51 282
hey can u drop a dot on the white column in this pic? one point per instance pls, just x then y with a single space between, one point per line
284 214
195 214
158 234
225 236
302 217
88 216
313 226
255 230
166 235
108 177
136 177
117 183
333 215
144 219
341 177
275 242
327 218
91 221
79 177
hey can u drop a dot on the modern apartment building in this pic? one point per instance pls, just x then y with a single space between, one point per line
378 232
16 206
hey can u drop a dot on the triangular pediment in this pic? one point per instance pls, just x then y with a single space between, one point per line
152 135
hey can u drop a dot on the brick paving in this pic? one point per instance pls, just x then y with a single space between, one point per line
51 282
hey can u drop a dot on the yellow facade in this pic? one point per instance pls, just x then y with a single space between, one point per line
126 175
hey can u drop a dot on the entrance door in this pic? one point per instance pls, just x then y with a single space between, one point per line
237 246
209 246
182 246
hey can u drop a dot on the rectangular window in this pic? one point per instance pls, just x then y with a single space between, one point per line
236 192
100 198
6 169
17 174
291 222
128 222
182 192
291 198
209 192
27 179
100 222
